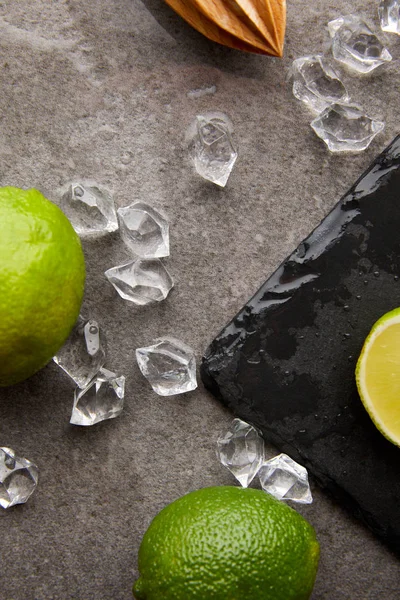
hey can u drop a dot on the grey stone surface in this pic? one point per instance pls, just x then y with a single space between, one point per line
104 91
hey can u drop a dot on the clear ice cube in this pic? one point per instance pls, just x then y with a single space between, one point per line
141 281
285 479
84 352
211 147
18 478
355 45
102 399
345 128
241 450
169 365
389 15
144 230
316 83
90 209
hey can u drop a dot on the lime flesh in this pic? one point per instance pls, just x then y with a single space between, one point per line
378 375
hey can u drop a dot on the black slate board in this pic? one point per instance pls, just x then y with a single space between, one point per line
286 361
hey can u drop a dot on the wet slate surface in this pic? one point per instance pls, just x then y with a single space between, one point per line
286 361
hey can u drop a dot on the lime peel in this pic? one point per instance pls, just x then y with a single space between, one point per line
227 542
42 276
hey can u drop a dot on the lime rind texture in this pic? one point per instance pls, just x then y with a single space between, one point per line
42 276
227 542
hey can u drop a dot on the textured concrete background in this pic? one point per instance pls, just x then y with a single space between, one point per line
102 90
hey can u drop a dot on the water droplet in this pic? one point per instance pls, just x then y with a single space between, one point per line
287 373
301 337
106 133
317 334
365 282
346 307
302 431
350 358
126 158
203 91
396 277
358 297
346 335
376 273
316 416
301 250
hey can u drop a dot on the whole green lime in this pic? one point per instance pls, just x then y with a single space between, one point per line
42 276
227 543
